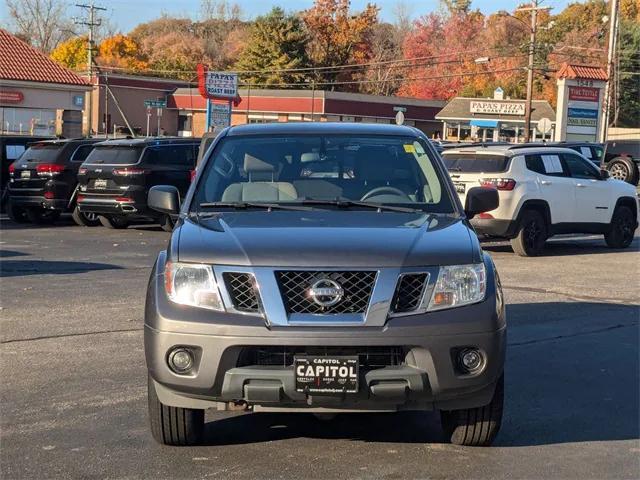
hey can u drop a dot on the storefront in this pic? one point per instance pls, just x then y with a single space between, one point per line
263 106
494 119
37 95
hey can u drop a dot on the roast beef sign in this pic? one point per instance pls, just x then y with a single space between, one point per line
11 96
497 108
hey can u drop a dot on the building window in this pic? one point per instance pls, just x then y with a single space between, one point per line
28 121
185 123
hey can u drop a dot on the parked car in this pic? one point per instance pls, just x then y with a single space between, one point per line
331 293
544 191
42 182
592 151
116 176
11 147
622 159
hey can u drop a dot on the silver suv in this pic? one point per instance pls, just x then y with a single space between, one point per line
324 268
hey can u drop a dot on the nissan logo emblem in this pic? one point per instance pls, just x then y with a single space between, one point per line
326 292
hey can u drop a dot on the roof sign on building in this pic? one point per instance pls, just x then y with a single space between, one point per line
497 108
221 85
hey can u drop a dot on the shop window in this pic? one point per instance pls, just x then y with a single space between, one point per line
28 121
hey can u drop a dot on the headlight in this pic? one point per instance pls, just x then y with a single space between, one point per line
459 285
192 284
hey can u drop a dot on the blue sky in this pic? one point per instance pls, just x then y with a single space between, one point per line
125 14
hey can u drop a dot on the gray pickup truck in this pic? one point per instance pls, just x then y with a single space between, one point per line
324 268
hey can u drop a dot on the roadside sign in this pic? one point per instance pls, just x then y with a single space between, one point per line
155 103
544 125
399 118
221 85
219 115
400 109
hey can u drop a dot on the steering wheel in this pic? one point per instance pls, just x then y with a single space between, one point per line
386 189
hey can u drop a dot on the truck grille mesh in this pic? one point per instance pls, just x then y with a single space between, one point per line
357 287
409 292
242 290
368 357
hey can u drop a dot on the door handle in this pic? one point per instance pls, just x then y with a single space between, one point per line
580 185
545 182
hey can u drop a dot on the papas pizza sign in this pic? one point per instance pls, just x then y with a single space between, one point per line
497 108
217 85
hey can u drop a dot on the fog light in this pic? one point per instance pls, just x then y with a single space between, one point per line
471 360
180 360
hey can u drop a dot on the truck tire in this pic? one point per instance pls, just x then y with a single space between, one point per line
42 216
620 234
623 168
112 221
475 427
531 235
173 425
85 219
16 214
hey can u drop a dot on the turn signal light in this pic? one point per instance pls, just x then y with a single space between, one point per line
12 168
49 169
82 171
48 195
499 183
124 200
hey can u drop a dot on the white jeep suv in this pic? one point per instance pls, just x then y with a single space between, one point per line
544 191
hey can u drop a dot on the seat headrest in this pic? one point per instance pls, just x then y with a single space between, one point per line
254 165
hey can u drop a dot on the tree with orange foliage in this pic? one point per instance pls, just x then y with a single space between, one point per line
123 52
72 53
338 37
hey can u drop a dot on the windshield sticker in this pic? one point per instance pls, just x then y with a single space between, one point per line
409 148
552 164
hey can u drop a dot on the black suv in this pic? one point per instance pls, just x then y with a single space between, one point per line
11 148
116 176
42 182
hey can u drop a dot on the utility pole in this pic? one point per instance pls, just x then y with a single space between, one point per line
90 21
613 41
532 51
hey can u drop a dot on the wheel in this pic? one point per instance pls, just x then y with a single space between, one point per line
622 228
622 168
167 223
113 221
16 214
475 427
173 425
532 234
85 219
42 215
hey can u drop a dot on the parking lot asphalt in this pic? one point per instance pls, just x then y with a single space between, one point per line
73 377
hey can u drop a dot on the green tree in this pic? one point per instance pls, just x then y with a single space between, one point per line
277 42
627 105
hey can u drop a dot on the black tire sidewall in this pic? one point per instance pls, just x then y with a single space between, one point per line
527 218
113 222
632 168
614 237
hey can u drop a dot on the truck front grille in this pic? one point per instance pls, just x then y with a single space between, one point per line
242 290
368 357
295 287
409 292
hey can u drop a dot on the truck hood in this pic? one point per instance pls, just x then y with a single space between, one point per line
326 238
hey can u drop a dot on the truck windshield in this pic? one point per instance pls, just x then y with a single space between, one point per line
295 169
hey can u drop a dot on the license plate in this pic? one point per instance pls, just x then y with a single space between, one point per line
460 187
100 183
326 375
25 174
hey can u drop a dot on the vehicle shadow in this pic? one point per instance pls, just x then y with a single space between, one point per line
570 377
12 253
558 247
19 268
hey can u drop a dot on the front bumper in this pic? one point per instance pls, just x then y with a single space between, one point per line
426 379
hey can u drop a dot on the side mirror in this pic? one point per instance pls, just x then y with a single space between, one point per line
480 200
604 174
164 199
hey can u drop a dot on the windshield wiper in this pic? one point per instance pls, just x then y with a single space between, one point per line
247 205
355 203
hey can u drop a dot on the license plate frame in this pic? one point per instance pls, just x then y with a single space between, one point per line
327 380
25 174
100 184
460 187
